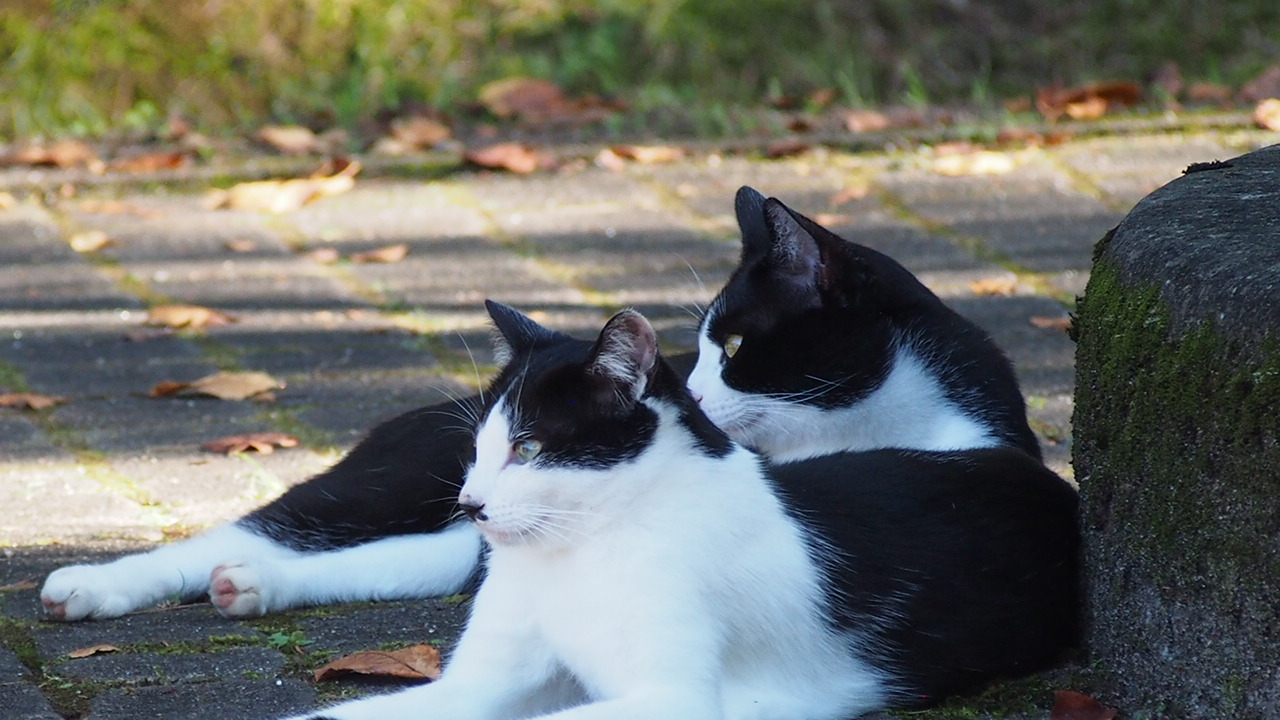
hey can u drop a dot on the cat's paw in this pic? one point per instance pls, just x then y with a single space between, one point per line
79 592
236 590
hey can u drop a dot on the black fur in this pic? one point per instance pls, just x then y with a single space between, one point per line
820 317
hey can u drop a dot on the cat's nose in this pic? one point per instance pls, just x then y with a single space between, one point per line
697 396
473 510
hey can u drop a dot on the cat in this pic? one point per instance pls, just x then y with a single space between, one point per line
841 349
644 566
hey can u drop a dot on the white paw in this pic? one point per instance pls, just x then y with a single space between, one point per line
236 590
77 592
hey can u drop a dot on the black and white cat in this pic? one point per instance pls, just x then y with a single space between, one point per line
815 345
643 566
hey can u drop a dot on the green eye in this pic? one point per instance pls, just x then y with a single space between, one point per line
731 345
525 450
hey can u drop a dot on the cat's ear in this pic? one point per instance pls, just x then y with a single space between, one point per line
748 205
794 254
516 333
625 355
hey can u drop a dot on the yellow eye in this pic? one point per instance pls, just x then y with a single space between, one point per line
525 450
731 345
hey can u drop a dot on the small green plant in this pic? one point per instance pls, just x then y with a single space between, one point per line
293 642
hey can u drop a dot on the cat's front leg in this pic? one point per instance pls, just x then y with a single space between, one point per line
171 572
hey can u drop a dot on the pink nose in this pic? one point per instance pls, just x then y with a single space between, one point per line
697 397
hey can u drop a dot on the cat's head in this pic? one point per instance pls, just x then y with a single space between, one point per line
807 321
566 425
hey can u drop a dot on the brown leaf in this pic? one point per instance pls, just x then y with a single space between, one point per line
1087 101
168 388
98 649
419 132
280 196
786 148
324 256
90 241
863 121
1205 93
994 285
416 662
1052 323
240 245
610 160
289 139
60 154
1267 114
530 98
235 385
263 442
31 401
389 254
514 157
150 162
28 584
1071 705
188 316
649 154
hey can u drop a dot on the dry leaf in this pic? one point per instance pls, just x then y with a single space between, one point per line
31 401
419 132
1204 93
28 584
1071 705
985 162
862 121
610 160
1267 114
90 241
150 162
994 286
235 385
1087 101
416 662
1052 323
289 139
188 316
167 388
279 196
514 157
388 254
99 649
241 245
786 148
263 442
325 256
649 154
529 98
61 154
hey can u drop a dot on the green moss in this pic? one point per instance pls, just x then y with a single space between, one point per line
16 636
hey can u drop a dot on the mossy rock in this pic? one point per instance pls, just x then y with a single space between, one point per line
1177 446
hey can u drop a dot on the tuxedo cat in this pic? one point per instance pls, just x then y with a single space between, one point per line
643 566
815 345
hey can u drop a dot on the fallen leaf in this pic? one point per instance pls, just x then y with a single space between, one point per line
289 139
649 154
241 245
1266 85
610 160
61 154
1267 114
235 385
1087 101
863 121
1052 323
1205 93
150 162
1071 705
90 241
28 584
99 649
514 157
187 316
984 162
821 98
420 132
324 256
389 254
994 286
416 662
786 148
31 401
262 442
801 124
280 196
530 98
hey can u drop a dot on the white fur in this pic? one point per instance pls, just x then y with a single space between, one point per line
908 410
673 585
251 575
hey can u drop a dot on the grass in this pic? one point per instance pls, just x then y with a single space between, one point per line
90 67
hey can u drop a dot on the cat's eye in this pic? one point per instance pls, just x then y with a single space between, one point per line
522 451
731 345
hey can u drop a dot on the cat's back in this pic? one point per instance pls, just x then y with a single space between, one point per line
964 564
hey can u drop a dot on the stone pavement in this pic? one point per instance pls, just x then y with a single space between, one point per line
113 470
